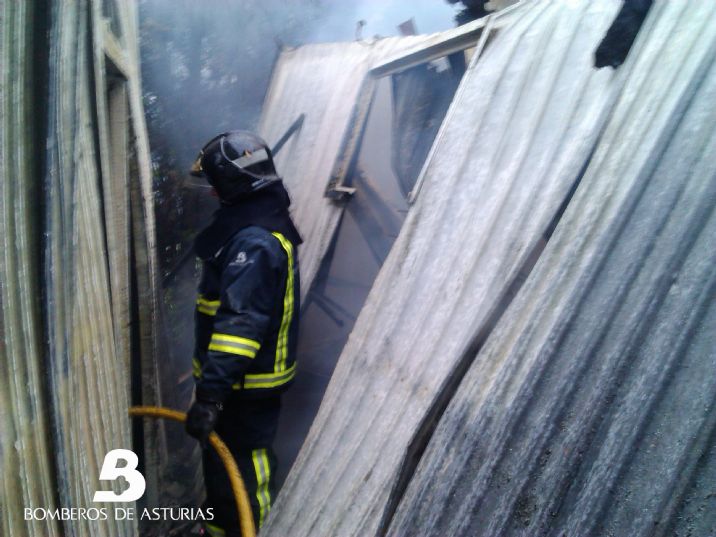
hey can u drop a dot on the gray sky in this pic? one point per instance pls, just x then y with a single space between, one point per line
383 16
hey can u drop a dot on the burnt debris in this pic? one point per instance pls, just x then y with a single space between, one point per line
617 42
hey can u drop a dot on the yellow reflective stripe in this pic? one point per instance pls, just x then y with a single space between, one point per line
234 345
228 338
215 531
205 302
196 366
208 307
230 349
263 474
282 341
267 380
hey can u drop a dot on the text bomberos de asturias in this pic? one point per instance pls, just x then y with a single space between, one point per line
119 513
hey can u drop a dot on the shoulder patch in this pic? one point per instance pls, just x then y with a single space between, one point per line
240 259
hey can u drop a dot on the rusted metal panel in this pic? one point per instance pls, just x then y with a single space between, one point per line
524 122
590 409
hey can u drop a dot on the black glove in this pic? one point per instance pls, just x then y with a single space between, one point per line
201 420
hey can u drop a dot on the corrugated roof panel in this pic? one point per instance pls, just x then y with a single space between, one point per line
591 408
326 83
65 379
525 120
87 378
25 454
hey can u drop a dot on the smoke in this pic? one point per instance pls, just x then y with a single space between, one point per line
206 67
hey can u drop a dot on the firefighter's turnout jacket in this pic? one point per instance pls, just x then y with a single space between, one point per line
247 314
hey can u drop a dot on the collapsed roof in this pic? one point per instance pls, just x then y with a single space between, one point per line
539 302
320 94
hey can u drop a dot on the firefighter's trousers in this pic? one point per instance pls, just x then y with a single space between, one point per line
248 427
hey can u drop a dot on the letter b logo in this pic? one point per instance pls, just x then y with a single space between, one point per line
110 471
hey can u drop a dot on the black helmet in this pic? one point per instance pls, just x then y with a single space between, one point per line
235 163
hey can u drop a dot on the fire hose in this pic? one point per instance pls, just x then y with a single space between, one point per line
237 484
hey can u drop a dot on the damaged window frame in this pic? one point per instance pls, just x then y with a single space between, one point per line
468 41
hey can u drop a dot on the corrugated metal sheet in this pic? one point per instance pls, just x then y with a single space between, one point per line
68 153
25 454
591 409
329 84
525 120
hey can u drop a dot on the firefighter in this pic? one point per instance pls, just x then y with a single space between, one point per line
246 321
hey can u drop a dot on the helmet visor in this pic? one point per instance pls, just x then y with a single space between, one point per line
251 161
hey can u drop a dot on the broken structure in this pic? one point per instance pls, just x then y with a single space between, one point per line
537 352
359 119
76 266
325 91
536 355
